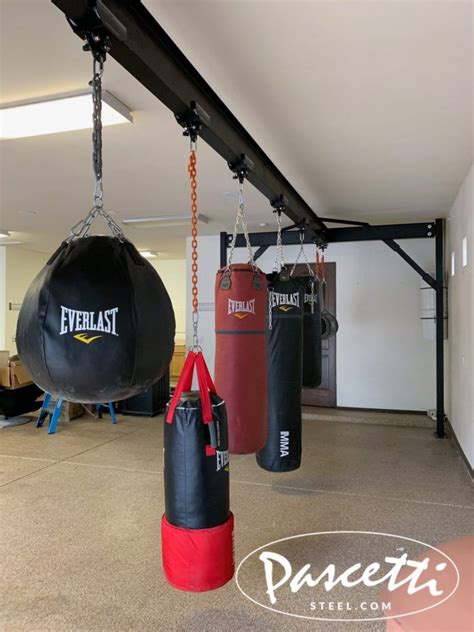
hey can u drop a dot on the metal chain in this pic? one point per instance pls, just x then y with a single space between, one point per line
279 262
194 244
241 220
96 83
81 229
302 252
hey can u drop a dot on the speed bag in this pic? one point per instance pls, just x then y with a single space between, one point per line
96 324
282 450
197 528
312 352
240 361
329 325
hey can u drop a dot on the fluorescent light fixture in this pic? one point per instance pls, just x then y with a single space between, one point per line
4 234
163 221
464 252
60 113
148 254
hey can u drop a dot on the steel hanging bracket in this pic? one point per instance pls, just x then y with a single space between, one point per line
193 120
241 167
279 204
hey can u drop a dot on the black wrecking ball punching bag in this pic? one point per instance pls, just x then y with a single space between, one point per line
312 353
96 324
282 450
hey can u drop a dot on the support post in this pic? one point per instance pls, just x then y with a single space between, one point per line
223 249
439 240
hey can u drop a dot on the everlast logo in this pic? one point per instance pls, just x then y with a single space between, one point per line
284 302
73 321
240 309
222 459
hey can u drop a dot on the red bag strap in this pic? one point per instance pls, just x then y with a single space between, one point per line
183 385
206 386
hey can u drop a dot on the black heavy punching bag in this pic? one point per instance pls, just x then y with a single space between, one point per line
96 324
197 528
311 333
282 450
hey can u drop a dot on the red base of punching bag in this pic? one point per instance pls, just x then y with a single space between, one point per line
197 560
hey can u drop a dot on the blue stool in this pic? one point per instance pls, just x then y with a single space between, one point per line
53 422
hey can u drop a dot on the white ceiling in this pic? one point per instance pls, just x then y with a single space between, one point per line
366 107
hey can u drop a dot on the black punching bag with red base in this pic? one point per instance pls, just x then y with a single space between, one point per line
240 366
197 528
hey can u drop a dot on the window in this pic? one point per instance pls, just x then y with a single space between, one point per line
453 264
464 252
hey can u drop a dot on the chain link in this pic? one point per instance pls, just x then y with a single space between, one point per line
96 83
81 229
194 244
302 252
279 262
241 220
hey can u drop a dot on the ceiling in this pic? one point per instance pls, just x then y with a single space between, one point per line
365 106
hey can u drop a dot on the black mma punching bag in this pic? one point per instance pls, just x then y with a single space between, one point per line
96 324
312 352
282 450
197 528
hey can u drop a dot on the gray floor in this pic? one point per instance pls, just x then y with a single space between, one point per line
80 519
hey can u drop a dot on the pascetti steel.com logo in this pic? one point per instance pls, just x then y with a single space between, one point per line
347 576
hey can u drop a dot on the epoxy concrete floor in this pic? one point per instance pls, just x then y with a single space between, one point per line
80 519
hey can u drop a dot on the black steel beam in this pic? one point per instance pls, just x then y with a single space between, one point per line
334 235
440 415
411 262
143 48
223 249
384 231
289 238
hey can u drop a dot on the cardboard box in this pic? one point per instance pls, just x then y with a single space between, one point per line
69 410
12 372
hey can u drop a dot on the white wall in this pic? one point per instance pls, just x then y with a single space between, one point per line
383 361
3 297
173 275
461 314
21 268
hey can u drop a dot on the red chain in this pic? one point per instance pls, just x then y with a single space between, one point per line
194 214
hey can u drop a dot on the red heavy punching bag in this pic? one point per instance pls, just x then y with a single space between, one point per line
240 361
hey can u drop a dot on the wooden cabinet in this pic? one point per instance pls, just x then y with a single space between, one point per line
177 362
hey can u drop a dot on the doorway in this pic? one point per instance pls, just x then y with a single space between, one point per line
326 394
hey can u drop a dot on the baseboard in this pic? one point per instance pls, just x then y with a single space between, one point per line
469 468
383 410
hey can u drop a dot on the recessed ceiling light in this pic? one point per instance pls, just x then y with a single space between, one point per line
4 234
27 212
262 224
148 254
60 113
162 221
